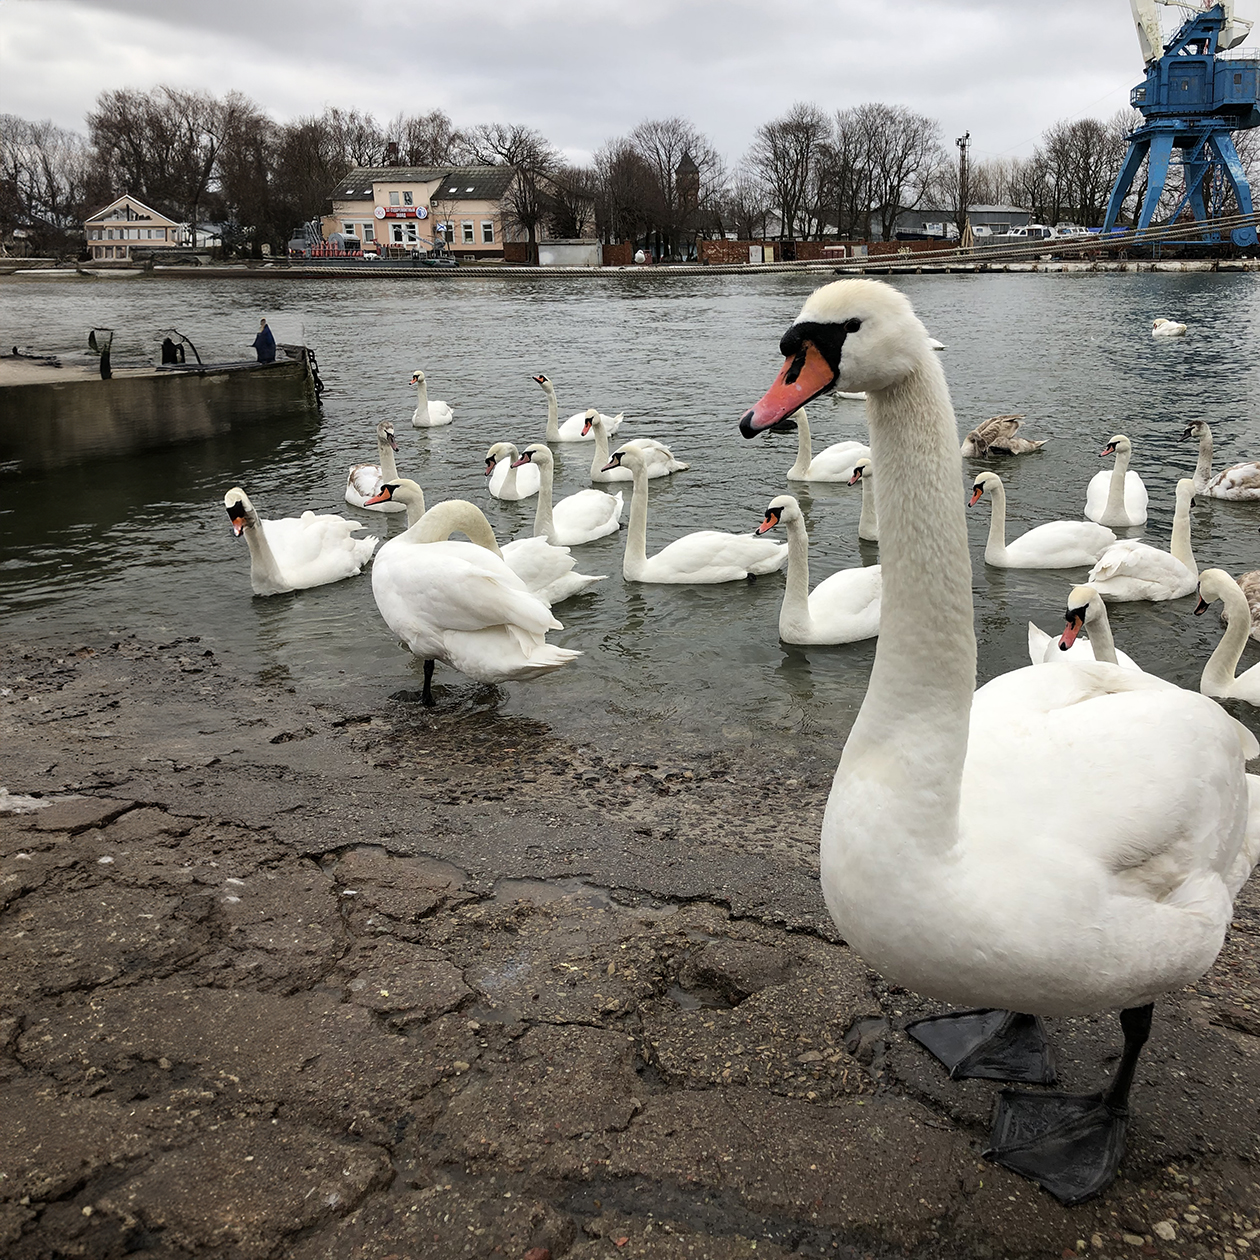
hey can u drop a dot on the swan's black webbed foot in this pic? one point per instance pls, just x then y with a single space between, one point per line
1071 1144
752 577
990 1044
426 696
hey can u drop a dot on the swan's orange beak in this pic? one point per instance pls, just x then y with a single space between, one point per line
1109 449
586 428
384 497
801 379
237 516
392 440
1073 627
490 467
772 519
976 492
524 459
857 476
1201 607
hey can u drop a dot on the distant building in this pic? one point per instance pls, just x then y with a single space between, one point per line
410 207
112 232
933 221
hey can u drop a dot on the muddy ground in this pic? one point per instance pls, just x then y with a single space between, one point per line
283 978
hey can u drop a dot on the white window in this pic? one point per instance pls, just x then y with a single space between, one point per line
393 199
369 233
412 235
348 229
487 231
468 231
407 199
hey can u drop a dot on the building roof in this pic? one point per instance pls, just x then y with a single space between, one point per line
135 202
456 183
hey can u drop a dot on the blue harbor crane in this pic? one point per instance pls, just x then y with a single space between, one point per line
1194 97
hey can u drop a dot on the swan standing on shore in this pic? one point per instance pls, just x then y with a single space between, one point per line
572 429
700 559
997 435
1242 481
1054 545
504 479
577 518
1117 498
868 522
296 553
546 570
1218 674
1085 611
428 415
842 608
658 459
365 480
967 852
460 603
1132 570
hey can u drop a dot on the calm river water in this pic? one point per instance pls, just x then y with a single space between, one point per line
144 545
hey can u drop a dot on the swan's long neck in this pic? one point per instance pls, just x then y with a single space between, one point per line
1219 672
422 396
636 536
508 489
804 447
868 522
1099 629
454 516
553 414
389 468
1203 469
910 738
1180 545
601 446
794 614
1115 492
543 526
995 548
414 505
261 556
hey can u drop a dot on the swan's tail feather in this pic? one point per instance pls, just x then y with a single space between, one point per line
1038 644
1249 854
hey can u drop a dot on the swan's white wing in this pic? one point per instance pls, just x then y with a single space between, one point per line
1135 496
710 556
528 479
313 550
845 607
658 459
1044 650
547 570
1059 545
835 463
1133 570
1242 481
585 516
502 653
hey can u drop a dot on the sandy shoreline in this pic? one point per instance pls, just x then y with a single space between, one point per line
285 979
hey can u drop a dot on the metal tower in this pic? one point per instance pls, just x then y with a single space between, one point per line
1193 98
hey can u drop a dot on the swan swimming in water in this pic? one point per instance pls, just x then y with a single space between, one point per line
1085 611
1054 545
296 553
1241 481
967 853
577 518
572 430
1218 674
428 415
1118 498
365 480
1133 570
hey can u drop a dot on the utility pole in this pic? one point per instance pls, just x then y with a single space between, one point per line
964 183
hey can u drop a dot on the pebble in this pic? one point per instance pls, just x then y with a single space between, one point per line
1167 1230
1135 1240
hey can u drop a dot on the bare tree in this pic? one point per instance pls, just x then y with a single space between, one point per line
688 178
746 206
624 192
43 179
534 159
785 155
570 193
423 140
903 149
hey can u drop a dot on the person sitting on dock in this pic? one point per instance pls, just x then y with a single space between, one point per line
265 343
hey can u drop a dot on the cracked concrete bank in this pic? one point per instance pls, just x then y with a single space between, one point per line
284 978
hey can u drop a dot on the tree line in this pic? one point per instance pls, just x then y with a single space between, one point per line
807 175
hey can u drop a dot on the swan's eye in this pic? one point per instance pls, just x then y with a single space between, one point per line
853 325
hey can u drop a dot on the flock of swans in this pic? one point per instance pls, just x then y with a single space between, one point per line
967 853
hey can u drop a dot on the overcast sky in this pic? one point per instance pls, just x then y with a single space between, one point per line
584 70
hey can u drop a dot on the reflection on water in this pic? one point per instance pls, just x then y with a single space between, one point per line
143 545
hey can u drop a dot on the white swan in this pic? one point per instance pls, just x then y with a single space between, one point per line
1085 611
504 480
573 429
868 522
428 415
1054 545
1218 674
1167 328
1242 481
365 480
1131 570
840 609
546 570
658 459
460 603
967 851
577 518
998 435
295 553
835 463
1117 498
703 558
